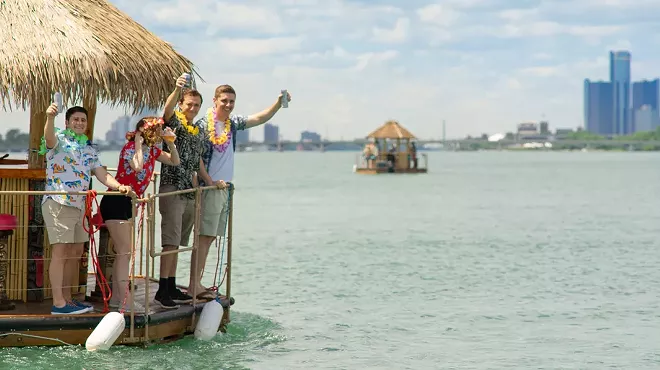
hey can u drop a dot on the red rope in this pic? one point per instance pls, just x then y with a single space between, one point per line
91 226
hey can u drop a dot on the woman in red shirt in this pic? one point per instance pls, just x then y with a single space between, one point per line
137 162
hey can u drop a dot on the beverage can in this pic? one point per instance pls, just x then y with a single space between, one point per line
188 80
58 100
284 101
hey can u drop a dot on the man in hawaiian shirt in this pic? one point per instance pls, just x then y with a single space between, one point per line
217 168
70 161
178 211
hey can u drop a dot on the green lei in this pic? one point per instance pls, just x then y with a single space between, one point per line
81 139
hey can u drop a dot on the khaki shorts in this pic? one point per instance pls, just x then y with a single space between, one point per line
214 212
64 223
177 217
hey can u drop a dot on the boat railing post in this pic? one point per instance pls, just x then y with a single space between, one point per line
198 212
141 228
132 276
151 221
230 223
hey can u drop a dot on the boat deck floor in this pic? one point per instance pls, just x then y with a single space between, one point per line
44 307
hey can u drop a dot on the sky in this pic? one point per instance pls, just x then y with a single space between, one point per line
482 66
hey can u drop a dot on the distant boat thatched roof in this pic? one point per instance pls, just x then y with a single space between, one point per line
391 130
82 48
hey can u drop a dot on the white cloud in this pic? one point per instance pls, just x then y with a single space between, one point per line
247 47
220 17
364 60
438 15
396 35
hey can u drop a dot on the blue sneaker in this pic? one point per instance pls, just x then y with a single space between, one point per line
87 307
68 309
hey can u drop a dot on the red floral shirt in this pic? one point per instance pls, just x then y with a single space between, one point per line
138 181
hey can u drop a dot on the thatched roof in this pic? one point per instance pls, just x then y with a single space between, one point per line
82 48
391 130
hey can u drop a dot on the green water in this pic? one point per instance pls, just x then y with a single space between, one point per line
494 260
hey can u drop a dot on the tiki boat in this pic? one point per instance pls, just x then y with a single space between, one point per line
89 51
391 150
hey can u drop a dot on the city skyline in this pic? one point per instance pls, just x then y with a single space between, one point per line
350 66
620 106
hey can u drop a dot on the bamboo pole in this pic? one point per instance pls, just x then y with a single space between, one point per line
149 209
196 269
132 275
230 223
26 238
21 246
6 208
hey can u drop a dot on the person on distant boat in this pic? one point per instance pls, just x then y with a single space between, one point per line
70 161
391 157
412 155
217 167
370 154
178 211
137 162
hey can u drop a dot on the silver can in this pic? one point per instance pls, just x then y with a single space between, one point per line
58 100
284 101
188 80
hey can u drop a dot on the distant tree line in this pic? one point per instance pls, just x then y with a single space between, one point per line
637 136
14 140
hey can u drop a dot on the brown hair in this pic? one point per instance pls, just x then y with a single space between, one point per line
150 134
224 89
192 93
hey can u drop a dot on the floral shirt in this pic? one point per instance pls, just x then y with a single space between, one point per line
189 147
138 181
69 167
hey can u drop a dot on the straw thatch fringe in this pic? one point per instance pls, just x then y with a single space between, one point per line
82 48
391 130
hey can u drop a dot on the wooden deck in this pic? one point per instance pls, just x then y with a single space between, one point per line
31 324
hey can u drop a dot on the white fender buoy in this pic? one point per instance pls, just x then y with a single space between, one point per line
209 320
106 332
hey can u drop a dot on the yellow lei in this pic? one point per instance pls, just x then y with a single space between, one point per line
193 130
217 140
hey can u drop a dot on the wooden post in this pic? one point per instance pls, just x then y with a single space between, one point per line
37 123
89 103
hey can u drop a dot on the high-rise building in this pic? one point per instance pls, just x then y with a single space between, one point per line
620 79
598 112
646 95
118 129
242 137
271 134
646 119
310 137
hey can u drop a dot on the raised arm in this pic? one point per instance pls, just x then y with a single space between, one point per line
137 162
171 158
171 101
265 115
49 128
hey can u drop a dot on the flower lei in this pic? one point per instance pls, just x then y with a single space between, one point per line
80 139
193 130
220 142
149 124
